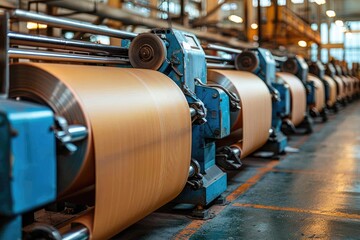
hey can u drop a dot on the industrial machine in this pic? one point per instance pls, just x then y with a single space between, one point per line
32 130
296 66
318 69
180 56
340 87
346 85
261 62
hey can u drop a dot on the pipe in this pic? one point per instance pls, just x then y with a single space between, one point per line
4 60
74 45
127 18
63 57
71 24
78 232
219 66
221 48
218 59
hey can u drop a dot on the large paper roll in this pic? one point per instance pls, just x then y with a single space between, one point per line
341 92
319 92
139 138
298 97
332 90
250 125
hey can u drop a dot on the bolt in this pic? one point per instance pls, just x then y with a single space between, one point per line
217 132
215 95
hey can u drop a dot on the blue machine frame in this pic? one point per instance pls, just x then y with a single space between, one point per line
185 64
266 70
28 162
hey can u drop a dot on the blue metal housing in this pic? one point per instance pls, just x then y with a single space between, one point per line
280 107
185 64
28 157
27 162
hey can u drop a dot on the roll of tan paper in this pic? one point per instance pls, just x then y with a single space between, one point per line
332 88
319 92
341 88
298 96
250 125
139 138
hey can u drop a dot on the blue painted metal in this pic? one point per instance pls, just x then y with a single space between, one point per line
281 107
27 161
10 227
185 64
318 69
302 73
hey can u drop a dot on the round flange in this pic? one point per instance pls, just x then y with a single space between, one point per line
147 51
246 61
289 66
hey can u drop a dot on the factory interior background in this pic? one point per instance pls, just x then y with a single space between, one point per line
184 119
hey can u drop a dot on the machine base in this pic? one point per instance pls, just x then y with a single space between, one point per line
215 183
276 144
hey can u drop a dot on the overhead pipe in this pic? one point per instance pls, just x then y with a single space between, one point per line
102 10
63 57
71 24
58 43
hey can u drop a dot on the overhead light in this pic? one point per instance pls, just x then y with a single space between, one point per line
235 18
339 23
302 43
330 13
254 26
32 26
320 2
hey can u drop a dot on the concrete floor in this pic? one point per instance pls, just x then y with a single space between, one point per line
311 194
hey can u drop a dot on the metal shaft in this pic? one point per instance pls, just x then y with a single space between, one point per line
221 48
58 43
219 66
4 60
63 57
78 232
218 59
71 24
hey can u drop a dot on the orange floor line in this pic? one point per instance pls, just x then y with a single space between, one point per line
311 172
300 210
193 226
190 229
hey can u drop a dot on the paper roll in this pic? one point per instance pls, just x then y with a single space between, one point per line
341 93
319 92
298 97
332 90
250 125
140 137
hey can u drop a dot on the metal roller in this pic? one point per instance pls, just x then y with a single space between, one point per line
147 51
289 66
43 90
247 61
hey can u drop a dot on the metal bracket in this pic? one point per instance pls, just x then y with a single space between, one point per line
67 134
228 158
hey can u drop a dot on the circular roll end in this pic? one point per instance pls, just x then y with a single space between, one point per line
246 61
147 51
290 66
